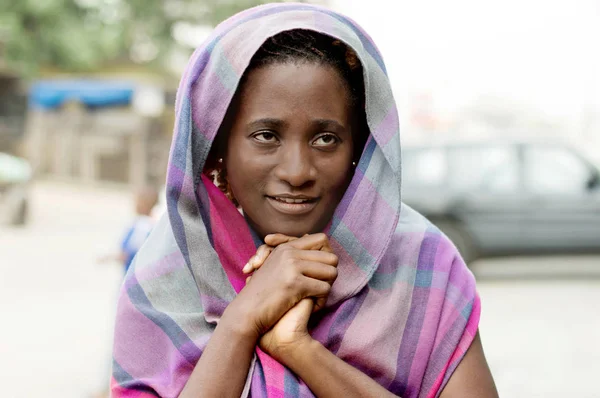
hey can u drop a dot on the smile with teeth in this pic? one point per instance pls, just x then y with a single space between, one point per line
293 206
291 200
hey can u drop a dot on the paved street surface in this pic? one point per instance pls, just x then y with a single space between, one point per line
540 324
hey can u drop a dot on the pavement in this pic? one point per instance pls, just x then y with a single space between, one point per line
540 323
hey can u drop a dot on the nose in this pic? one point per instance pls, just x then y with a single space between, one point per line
295 165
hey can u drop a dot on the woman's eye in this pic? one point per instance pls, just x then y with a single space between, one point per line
326 140
265 137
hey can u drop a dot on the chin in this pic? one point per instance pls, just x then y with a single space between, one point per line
292 228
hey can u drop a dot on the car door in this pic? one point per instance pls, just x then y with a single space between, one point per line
487 185
565 210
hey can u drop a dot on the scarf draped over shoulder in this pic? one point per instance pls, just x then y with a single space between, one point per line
404 308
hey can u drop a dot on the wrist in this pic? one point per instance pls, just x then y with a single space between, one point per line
298 352
238 324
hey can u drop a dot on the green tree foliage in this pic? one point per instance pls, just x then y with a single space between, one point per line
79 35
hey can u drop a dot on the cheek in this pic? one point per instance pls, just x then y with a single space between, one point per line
336 177
246 177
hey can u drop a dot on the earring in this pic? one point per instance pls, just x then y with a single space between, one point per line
220 160
223 185
354 164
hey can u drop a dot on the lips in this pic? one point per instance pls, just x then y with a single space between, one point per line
293 205
291 200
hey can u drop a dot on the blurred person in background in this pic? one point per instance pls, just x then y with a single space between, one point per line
145 200
286 264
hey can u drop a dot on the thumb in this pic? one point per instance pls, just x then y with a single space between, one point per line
300 313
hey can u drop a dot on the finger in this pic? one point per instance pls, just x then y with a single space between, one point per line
247 267
317 256
261 255
318 241
301 311
314 288
274 240
318 271
248 279
258 259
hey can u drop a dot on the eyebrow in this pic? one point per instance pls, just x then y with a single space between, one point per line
328 124
280 124
267 122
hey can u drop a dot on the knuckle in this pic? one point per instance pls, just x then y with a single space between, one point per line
333 259
325 288
291 280
321 237
280 251
288 284
285 247
334 273
292 261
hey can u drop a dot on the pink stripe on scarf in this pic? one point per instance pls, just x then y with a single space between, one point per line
461 348
227 223
274 375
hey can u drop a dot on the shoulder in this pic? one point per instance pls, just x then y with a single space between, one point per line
419 243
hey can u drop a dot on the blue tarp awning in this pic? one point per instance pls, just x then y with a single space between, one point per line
49 94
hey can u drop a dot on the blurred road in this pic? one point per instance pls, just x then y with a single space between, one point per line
540 324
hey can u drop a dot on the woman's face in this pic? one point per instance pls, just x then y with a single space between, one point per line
289 151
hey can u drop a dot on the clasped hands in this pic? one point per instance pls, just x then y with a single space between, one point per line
289 278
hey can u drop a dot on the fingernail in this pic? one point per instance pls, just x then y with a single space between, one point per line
247 268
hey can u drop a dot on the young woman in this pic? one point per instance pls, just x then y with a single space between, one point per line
285 167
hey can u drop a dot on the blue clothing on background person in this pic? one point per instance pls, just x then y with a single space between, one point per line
135 237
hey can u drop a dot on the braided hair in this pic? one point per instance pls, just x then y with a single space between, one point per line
299 46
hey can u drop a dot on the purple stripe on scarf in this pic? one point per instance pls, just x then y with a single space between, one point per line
414 325
342 207
387 128
367 155
169 327
208 112
332 328
444 350
179 145
213 307
145 367
258 388
184 83
175 177
373 206
466 339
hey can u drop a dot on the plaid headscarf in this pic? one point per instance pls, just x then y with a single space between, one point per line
403 309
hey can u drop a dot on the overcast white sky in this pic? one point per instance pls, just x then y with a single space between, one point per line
544 54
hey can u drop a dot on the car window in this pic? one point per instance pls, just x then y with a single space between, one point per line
424 167
488 169
555 171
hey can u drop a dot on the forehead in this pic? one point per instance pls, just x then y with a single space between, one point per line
294 88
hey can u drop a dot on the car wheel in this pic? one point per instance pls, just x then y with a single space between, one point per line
19 217
461 239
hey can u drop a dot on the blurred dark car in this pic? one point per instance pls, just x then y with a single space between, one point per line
501 199
15 177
